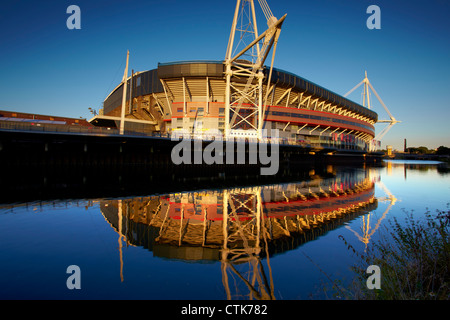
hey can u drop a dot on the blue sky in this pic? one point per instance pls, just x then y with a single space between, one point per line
48 69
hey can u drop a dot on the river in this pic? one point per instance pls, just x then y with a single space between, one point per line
282 240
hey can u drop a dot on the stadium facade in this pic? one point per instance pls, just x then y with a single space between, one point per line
188 95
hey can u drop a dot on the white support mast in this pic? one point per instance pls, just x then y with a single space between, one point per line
367 103
247 94
124 96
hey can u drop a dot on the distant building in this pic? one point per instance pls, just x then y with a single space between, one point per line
389 150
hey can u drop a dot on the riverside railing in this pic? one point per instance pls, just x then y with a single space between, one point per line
92 130
76 129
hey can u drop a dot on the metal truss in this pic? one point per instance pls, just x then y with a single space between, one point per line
124 96
244 98
367 103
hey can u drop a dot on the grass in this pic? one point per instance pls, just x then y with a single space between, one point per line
414 259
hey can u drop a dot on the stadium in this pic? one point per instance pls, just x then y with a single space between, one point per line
240 97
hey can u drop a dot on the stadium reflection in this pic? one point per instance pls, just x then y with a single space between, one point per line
242 228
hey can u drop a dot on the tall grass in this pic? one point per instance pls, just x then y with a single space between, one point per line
414 259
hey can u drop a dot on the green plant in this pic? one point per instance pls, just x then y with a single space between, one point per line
414 258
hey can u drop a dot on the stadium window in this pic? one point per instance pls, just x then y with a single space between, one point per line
138 81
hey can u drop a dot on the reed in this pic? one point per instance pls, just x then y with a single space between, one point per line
414 259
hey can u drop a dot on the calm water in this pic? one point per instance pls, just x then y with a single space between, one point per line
271 241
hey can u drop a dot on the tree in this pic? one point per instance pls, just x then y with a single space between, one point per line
419 150
423 150
443 150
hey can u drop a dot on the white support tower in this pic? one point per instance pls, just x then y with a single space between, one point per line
124 96
244 70
367 103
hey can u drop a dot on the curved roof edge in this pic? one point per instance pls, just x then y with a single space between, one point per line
215 68
279 76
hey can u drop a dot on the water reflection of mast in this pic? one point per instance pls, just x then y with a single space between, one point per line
121 236
259 287
365 238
